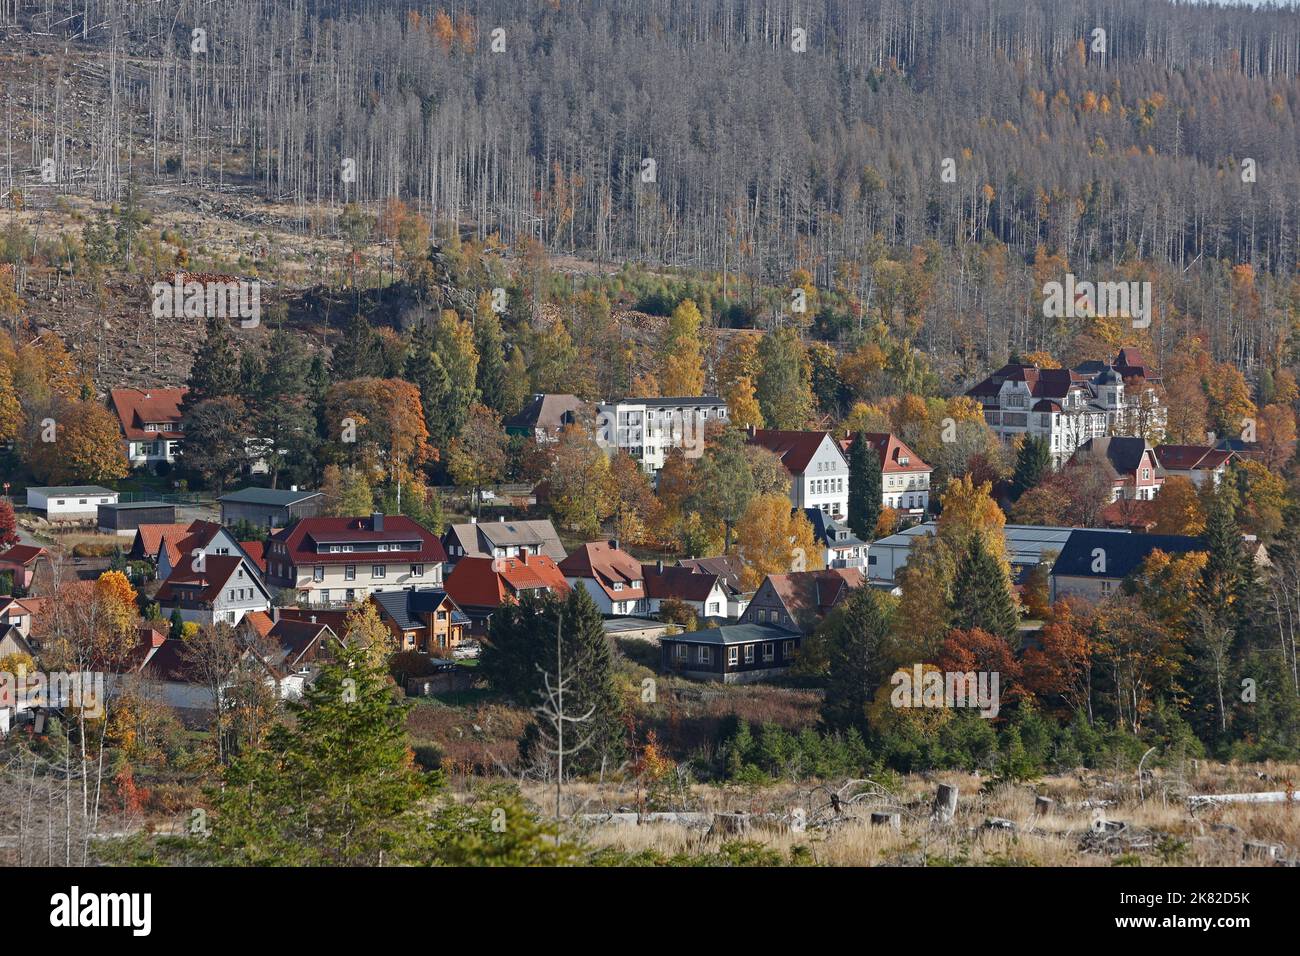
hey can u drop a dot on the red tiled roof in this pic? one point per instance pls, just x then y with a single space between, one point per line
136 408
815 591
150 537
486 582
21 554
260 622
607 565
256 551
1190 457
796 448
300 541
891 450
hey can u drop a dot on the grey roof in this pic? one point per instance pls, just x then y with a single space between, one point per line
673 401
1026 543
538 533
1122 454
1123 555
734 634
828 531
274 497
403 606
133 505
57 490
548 411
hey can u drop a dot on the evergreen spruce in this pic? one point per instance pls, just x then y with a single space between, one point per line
1033 464
864 488
337 787
215 372
982 593
855 638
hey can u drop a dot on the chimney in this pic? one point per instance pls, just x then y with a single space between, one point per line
752 430
613 543
376 522
660 565
473 520
293 487
523 554
313 618
501 517
275 614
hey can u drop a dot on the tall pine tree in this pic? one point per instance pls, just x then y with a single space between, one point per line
981 593
855 638
864 487
1033 464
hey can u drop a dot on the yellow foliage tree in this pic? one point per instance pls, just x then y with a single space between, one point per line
773 539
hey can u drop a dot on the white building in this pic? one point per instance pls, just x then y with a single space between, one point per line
819 472
70 502
646 428
904 477
1069 406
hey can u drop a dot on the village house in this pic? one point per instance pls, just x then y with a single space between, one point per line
1066 407
704 593
20 563
843 548
269 507
545 416
818 470
426 620
1129 463
151 424
732 653
208 588
611 576
480 585
330 560
17 616
1197 463
151 539
800 600
1093 564
287 652
647 428
79 503
502 538
727 568
904 476
206 537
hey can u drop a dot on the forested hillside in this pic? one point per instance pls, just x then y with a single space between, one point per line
784 136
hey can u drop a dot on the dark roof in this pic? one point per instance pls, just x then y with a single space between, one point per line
726 566
403 606
1124 455
684 584
733 634
549 412
274 497
134 505
828 531
1124 553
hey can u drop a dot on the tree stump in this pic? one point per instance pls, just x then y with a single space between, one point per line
945 804
1043 805
730 824
882 819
